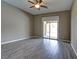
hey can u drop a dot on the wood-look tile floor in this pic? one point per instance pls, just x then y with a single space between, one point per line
37 49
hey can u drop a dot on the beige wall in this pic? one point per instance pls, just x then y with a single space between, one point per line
15 24
74 26
64 24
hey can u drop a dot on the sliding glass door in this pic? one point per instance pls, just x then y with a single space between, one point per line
50 29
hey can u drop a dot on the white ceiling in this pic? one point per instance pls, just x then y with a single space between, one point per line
53 6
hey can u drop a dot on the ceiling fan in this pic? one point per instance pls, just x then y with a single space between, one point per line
38 3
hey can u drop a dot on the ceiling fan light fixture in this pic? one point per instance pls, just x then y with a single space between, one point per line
37 6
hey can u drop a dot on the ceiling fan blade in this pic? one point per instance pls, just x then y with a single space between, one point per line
30 1
44 6
40 1
36 1
43 3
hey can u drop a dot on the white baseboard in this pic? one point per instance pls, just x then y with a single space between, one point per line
73 49
66 40
2 43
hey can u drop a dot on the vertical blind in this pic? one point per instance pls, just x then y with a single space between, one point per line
50 27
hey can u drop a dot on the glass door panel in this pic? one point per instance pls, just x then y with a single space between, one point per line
50 29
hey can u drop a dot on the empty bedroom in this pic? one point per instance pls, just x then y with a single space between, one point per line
38 29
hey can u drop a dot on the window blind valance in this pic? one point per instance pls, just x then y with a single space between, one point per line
51 19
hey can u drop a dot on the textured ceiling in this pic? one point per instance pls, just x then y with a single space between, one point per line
53 6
